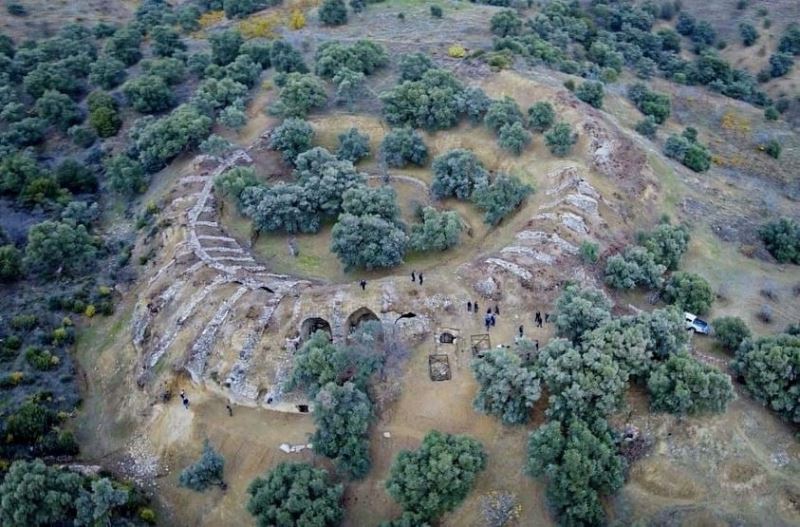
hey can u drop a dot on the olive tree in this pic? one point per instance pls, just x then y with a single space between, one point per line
579 310
436 477
286 59
225 46
333 13
502 197
635 267
591 93
205 472
342 415
689 292
506 23
56 248
33 494
148 94
368 242
541 116
300 93
291 138
768 365
107 72
125 175
514 138
435 102
667 244
560 139
782 239
457 173
580 462
585 383
295 494
58 109
413 66
682 385
438 231
730 332
282 208
501 113
507 389
402 146
374 201
353 145
319 362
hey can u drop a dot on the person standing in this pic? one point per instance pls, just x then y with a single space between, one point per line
363 284
413 276
420 278
475 307
521 332
487 320
469 306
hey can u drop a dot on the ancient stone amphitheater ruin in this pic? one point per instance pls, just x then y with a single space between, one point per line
211 310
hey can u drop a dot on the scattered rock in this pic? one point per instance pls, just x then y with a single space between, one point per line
488 288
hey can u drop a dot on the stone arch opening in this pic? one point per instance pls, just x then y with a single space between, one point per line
314 324
445 337
359 317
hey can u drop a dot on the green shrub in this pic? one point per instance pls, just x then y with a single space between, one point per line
205 472
782 239
402 146
421 483
767 366
501 198
730 332
541 116
295 494
333 13
591 93
457 173
291 138
689 292
439 231
684 386
353 146
560 139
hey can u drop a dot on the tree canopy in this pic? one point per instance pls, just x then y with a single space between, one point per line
436 477
684 386
501 198
508 389
295 494
342 414
205 472
580 461
580 310
768 366
457 173
402 146
438 231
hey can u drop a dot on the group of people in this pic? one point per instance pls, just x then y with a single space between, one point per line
538 318
490 318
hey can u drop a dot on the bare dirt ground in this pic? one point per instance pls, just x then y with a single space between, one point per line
739 467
